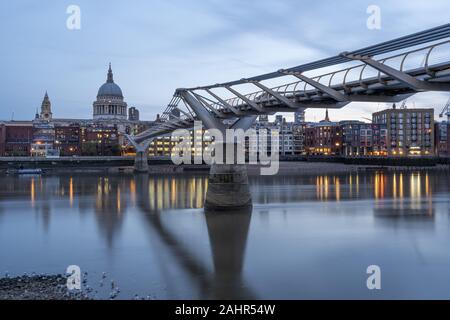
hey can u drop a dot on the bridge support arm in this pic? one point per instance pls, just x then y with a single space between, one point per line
336 95
224 103
252 104
410 81
204 115
244 123
276 95
207 105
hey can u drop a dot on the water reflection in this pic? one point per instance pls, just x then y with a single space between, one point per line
418 201
227 236
157 194
379 185
112 199
113 195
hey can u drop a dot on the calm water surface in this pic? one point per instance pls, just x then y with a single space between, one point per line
307 237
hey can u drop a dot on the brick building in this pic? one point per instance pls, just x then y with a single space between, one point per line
16 138
363 139
68 140
410 131
100 141
323 138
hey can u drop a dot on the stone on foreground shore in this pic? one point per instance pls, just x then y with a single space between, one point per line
38 288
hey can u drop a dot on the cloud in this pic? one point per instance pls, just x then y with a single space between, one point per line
159 45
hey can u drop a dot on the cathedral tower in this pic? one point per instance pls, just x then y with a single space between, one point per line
46 109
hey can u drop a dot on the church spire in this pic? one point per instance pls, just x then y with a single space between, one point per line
327 118
46 108
46 99
110 75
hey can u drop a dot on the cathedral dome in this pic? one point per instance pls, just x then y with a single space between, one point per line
110 104
110 89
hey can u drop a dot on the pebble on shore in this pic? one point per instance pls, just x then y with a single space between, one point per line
38 288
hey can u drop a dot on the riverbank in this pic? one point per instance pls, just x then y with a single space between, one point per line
38 288
284 168
293 165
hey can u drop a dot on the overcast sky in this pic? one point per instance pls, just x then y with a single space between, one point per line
156 46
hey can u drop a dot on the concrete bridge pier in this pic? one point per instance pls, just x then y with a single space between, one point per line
228 187
141 160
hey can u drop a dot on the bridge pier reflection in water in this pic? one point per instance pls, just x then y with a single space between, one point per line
228 233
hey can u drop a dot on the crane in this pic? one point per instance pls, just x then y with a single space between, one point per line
446 111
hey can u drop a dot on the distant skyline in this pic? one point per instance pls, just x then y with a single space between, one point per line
157 46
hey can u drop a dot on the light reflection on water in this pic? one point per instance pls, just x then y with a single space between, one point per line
307 237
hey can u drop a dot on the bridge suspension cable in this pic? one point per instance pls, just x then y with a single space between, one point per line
418 38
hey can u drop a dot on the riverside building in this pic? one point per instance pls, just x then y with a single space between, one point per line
410 131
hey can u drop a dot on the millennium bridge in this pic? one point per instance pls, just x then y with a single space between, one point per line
387 72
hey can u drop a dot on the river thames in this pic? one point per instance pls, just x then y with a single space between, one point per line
307 237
